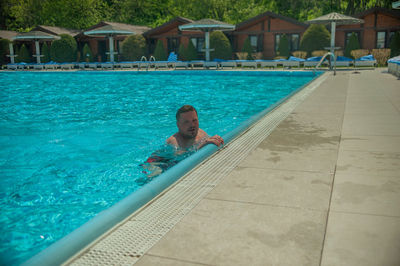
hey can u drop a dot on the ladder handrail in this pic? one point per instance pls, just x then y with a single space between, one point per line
323 58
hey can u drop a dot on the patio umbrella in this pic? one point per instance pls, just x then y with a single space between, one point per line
335 19
109 31
207 25
35 36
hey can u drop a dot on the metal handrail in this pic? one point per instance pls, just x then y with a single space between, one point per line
323 58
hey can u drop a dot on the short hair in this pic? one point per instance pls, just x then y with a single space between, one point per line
184 109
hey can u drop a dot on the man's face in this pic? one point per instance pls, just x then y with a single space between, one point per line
188 124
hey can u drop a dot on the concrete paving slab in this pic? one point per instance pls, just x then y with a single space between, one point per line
154 260
368 194
356 239
369 163
269 156
307 190
371 125
245 234
370 107
371 143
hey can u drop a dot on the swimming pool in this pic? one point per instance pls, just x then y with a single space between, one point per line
72 142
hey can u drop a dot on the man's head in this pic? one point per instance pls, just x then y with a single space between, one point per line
187 121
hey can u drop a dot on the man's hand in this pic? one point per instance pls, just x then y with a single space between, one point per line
216 140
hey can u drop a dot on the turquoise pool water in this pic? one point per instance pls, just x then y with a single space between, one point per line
72 142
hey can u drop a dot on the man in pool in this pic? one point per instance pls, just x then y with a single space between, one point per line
188 138
189 134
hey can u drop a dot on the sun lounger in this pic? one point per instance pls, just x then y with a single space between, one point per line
227 63
22 66
179 64
38 66
93 65
125 65
159 64
12 66
342 61
198 63
107 65
247 63
81 65
267 63
68 66
365 61
394 66
208 64
313 61
143 64
51 65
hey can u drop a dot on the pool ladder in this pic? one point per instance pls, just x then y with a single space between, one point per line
322 60
147 62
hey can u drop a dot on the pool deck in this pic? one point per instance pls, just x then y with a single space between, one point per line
322 189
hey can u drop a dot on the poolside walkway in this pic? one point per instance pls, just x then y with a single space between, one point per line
322 189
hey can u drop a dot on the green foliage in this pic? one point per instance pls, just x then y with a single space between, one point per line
247 48
159 52
283 48
87 55
316 37
182 52
191 52
4 51
352 45
46 53
133 48
395 45
221 45
64 49
23 55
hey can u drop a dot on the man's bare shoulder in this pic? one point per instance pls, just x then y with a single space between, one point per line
173 141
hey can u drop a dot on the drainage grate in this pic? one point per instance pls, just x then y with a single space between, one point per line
128 241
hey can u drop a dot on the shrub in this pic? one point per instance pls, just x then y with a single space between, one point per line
46 53
283 48
4 50
257 56
24 55
241 56
300 54
182 52
221 45
318 53
191 52
133 48
64 49
352 45
339 53
247 48
87 55
359 53
381 56
159 52
395 45
316 37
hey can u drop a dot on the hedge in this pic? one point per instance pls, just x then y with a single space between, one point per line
4 51
133 48
283 48
247 48
46 53
316 37
191 52
353 44
221 45
395 45
159 52
23 55
64 49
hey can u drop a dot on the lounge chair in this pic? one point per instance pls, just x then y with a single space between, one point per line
247 63
292 62
180 64
197 63
81 65
365 61
313 61
208 64
159 64
125 64
93 65
394 66
22 66
12 66
68 66
38 66
342 61
107 65
227 63
267 63
51 65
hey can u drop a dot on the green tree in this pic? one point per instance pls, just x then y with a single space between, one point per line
353 44
181 52
87 55
133 48
247 48
159 52
221 45
23 55
283 47
4 51
46 53
395 45
191 52
316 37
64 49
